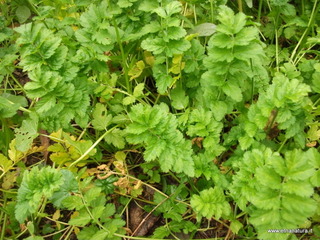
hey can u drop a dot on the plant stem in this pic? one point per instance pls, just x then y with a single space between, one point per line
240 5
259 11
92 147
315 9
123 56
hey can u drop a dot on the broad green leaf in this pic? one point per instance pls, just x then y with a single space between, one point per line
211 202
87 232
173 7
101 118
81 220
27 133
36 184
23 13
116 138
233 91
72 202
235 226
101 234
45 104
179 98
128 100
138 90
10 104
204 29
70 186
91 194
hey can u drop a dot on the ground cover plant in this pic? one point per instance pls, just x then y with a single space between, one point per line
159 119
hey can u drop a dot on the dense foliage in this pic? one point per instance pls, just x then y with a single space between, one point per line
155 119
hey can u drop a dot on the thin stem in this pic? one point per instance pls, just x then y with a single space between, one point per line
240 5
302 39
123 56
259 10
17 82
20 108
92 147
277 50
283 143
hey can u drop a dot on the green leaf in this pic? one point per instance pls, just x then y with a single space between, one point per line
161 232
101 118
45 104
72 202
211 202
235 226
179 98
36 184
173 7
81 220
34 238
23 13
91 194
70 186
10 104
128 100
204 29
108 212
101 235
87 232
138 90
116 138
233 91
27 133
157 130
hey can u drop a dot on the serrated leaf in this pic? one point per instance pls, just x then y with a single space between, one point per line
136 70
45 104
101 235
138 90
91 194
211 202
81 220
128 100
5 163
27 133
235 226
101 118
35 185
179 98
172 8
72 202
233 91
87 232
70 186
116 138
161 232
109 211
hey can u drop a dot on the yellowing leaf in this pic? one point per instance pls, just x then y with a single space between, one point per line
177 64
5 163
149 58
120 156
9 180
137 69
14 154
128 100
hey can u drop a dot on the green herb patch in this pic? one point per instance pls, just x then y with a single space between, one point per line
159 119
